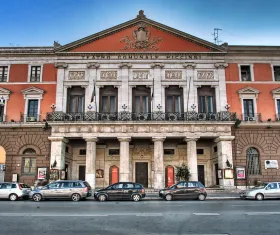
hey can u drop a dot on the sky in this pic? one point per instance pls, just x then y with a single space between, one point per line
41 22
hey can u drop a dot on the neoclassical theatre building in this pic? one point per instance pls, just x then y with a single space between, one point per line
129 103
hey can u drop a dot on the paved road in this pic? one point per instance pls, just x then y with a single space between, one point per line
232 217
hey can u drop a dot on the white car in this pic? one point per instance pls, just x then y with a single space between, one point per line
14 191
264 191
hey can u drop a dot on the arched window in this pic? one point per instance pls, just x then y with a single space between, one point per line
29 162
253 161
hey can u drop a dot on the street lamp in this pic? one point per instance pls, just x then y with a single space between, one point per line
2 101
227 107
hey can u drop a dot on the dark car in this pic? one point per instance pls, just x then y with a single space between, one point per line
184 190
121 191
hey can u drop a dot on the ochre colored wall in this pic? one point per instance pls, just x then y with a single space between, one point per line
112 43
16 103
18 73
2 155
262 72
49 72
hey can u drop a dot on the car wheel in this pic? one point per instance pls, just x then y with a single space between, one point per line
13 197
168 197
102 198
259 197
76 197
201 197
136 197
37 197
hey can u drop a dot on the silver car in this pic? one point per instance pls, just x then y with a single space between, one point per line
14 191
263 191
63 189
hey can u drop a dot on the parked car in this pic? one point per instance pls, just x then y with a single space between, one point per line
62 189
121 191
263 191
184 190
14 191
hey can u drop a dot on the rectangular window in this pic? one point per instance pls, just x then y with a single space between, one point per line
83 152
109 104
278 108
245 73
200 151
248 105
206 99
276 70
169 151
35 74
32 110
3 73
2 113
113 152
174 104
29 165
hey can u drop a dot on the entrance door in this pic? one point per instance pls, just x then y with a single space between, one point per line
141 173
169 176
114 175
201 176
82 172
216 174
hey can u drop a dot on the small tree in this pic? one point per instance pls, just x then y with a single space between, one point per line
182 173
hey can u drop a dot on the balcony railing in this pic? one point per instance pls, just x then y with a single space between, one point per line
30 118
129 116
254 117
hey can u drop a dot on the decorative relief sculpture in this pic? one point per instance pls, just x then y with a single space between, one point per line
108 74
141 40
206 75
173 74
141 151
76 75
143 74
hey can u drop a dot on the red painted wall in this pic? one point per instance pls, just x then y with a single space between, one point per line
49 72
262 72
112 43
18 73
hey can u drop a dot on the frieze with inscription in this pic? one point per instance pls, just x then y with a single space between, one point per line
206 75
173 74
143 74
108 74
76 75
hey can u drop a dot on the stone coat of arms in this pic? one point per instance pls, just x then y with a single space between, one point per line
141 40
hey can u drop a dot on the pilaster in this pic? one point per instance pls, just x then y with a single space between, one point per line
59 85
192 157
157 90
124 158
158 162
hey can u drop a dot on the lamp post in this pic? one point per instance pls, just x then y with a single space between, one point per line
124 107
2 101
159 107
193 107
227 107
53 107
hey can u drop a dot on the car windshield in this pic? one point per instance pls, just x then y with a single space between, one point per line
172 186
263 185
24 186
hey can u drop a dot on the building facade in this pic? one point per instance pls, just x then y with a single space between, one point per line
131 103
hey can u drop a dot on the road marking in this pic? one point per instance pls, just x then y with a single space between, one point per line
257 205
149 214
263 213
206 214
50 215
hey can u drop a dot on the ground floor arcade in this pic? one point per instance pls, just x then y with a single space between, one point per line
148 154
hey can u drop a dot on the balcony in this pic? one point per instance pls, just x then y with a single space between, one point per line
254 117
129 116
30 118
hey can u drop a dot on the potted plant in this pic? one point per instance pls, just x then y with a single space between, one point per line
182 173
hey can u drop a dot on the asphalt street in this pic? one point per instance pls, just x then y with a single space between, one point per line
234 217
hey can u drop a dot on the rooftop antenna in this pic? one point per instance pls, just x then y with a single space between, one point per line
216 36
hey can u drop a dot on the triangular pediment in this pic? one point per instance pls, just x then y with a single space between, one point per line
4 91
248 90
140 35
32 91
276 91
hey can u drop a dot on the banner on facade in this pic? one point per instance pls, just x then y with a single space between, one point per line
268 164
42 173
240 172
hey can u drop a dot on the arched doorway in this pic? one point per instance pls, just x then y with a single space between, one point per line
169 176
2 164
114 174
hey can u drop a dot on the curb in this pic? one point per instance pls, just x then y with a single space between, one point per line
160 199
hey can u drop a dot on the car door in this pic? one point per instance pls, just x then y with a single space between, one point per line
179 190
192 190
52 190
271 190
6 189
65 190
127 191
115 192
1 191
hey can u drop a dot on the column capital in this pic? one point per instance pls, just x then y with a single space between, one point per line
156 139
224 138
221 65
125 64
124 139
61 65
189 139
91 139
189 65
157 65
57 139
94 65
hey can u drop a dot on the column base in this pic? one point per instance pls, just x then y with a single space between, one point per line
90 178
158 181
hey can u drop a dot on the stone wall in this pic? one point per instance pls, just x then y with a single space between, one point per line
15 141
267 142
